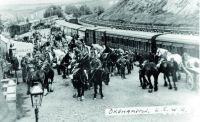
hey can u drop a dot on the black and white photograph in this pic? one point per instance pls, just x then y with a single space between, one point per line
99 61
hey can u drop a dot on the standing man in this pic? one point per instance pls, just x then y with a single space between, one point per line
122 64
65 63
24 68
10 52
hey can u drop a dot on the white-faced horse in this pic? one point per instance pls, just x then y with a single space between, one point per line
169 56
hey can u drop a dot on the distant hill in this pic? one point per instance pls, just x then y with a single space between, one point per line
178 12
105 3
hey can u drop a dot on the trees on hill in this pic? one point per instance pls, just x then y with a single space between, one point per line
52 11
98 10
77 12
85 10
71 9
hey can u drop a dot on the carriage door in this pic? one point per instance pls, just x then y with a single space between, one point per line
87 37
177 48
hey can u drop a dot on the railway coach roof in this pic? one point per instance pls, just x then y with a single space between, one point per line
186 39
4 39
127 33
67 24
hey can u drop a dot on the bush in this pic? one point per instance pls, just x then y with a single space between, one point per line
52 11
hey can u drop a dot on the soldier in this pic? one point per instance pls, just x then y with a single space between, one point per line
175 69
11 52
95 64
24 68
122 64
65 63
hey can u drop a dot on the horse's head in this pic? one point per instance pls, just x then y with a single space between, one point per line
160 62
105 77
31 68
45 65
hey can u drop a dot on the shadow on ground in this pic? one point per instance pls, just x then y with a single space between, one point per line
21 97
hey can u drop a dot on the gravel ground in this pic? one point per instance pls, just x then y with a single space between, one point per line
60 106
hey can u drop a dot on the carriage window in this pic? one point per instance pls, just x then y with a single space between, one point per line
126 42
121 41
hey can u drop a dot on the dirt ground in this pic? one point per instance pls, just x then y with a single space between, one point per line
60 106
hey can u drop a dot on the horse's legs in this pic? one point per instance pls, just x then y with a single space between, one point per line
168 78
82 92
122 72
129 68
141 79
79 92
150 84
58 69
28 87
100 91
174 80
165 82
155 82
95 91
16 76
179 75
64 73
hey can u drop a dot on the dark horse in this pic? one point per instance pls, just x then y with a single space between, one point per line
147 69
168 68
15 65
64 64
49 76
110 58
33 77
79 81
97 77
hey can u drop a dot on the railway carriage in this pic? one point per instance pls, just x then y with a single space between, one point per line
94 35
81 32
133 40
69 28
100 36
4 46
179 43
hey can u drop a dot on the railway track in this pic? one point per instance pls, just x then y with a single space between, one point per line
142 27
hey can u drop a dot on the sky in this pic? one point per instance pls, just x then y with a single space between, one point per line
8 2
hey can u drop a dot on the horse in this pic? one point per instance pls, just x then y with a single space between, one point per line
79 81
97 77
147 69
112 60
34 76
191 62
49 76
59 54
168 68
169 56
15 66
65 62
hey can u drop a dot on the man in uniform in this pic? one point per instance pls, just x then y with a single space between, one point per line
24 68
65 63
175 69
122 64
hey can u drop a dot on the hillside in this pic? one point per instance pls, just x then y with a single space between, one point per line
178 12
105 3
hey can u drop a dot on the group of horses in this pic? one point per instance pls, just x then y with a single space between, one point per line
79 61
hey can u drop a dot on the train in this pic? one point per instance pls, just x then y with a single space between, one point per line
133 40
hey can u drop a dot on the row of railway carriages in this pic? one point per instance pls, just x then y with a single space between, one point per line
24 27
133 40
